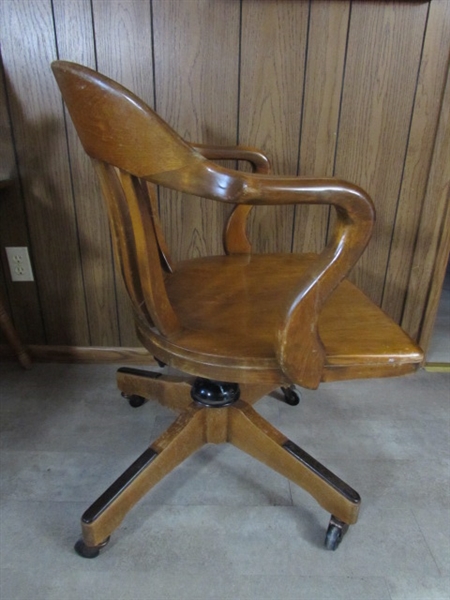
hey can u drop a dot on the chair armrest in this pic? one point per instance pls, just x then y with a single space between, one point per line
235 240
259 161
300 351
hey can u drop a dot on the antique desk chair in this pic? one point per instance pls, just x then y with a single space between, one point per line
239 325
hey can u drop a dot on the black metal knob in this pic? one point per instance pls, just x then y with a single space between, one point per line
214 393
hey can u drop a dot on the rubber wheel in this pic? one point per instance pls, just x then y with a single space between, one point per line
291 397
333 537
89 551
134 400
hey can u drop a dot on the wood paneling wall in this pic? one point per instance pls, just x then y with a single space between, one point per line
349 88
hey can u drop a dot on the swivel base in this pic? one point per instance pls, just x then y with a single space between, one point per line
211 413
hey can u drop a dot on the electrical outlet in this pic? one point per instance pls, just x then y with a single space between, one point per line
19 264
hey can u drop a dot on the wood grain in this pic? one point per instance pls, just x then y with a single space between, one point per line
21 299
196 72
376 111
41 147
436 283
323 85
387 122
274 36
75 41
433 243
123 36
422 135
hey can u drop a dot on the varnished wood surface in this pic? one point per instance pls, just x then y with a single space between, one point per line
272 79
433 245
196 79
413 195
127 57
382 85
248 318
237 424
43 170
90 354
73 27
220 66
239 317
254 435
244 309
21 303
320 114
236 234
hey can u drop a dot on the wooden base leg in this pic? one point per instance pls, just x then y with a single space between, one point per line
252 392
249 432
170 391
184 436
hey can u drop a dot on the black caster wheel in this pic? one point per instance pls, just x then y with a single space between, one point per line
335 532
291 397
89 551
134 400
160 362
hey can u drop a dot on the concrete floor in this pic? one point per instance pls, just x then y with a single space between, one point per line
222 526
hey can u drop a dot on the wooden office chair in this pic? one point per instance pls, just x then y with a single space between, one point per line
240 325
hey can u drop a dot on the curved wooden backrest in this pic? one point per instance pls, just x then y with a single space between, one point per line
104 112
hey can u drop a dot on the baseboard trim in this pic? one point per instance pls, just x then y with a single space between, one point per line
437 367
83 354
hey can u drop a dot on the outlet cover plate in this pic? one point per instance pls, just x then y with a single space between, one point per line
19 263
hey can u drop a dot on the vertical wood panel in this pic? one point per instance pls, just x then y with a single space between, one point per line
4 300
75 42
383 57
420 147
433 238
323 86
196 73
123 39
386 132
273 43
24 307
43 166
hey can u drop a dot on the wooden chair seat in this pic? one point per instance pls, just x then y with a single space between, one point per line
232 306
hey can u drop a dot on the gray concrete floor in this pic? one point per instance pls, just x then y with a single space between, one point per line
222 526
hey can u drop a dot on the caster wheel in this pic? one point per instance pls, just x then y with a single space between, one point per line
89 551
291 397
160 362
134 400
335 532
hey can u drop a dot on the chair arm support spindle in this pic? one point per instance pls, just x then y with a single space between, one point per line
235 240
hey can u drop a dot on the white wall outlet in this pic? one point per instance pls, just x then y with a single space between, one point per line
19 264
